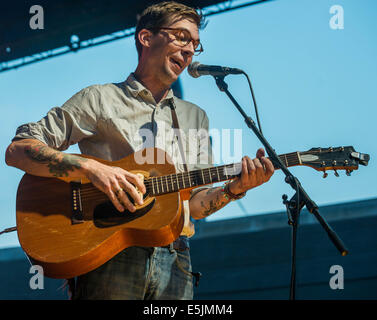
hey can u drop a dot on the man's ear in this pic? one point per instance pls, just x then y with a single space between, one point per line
145 37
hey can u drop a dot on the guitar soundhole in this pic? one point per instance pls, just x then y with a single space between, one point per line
106 215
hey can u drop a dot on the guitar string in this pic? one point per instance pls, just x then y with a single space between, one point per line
96 194
207 172
182 178
177 179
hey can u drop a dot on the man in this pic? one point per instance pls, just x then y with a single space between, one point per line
105 120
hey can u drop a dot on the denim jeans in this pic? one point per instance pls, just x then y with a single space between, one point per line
140 273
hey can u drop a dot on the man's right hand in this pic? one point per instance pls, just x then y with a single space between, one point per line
115 182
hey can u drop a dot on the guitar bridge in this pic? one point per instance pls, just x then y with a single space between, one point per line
77 216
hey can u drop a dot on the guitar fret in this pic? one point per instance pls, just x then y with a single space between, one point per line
218 177
225 173
178 182
171 182
158 191
298 158
286 160
153 185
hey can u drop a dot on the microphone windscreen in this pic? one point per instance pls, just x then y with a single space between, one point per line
193 69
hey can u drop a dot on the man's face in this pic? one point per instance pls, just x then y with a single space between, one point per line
165 57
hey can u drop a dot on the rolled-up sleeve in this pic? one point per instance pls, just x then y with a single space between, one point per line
65 125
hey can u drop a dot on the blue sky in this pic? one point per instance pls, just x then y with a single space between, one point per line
314 86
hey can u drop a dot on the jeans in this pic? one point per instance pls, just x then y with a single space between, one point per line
139 273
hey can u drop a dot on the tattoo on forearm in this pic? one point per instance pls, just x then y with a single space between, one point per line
211 190
214 204
58 163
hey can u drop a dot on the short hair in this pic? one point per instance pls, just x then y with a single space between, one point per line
160 14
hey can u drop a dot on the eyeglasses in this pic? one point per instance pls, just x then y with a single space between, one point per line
182 38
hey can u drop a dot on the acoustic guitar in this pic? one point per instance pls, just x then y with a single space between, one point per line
71 227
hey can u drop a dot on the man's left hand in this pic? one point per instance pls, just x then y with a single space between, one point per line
254 173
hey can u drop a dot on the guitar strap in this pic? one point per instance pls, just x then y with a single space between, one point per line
176 126
188 227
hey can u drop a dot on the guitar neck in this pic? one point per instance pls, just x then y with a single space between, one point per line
196 178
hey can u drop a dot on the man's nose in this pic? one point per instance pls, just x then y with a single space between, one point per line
189 49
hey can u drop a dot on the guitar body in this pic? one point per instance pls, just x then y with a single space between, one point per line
65 249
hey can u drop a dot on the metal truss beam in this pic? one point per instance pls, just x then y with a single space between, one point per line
78 45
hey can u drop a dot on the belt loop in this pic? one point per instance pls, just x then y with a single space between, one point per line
171 248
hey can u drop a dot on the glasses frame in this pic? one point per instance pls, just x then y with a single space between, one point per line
197 50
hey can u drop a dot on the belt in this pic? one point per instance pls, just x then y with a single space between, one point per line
180 244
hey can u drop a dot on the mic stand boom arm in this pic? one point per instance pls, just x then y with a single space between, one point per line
299 199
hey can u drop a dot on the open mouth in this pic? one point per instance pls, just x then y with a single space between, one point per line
176 63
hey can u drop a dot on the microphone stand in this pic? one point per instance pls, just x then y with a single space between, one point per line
299 199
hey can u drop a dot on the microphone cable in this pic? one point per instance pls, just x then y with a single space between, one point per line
254 102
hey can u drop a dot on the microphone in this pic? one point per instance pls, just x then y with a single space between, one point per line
196 70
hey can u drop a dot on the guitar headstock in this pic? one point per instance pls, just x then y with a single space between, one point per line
340 158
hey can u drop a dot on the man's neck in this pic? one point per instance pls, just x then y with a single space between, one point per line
158 90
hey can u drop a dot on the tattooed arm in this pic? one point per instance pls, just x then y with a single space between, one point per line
254 173
36 158
207 201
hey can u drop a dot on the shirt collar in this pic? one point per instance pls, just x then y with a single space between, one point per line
135 88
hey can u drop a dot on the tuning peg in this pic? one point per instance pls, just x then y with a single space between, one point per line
325 174
348 172
336 173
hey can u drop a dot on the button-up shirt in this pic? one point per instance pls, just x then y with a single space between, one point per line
112 121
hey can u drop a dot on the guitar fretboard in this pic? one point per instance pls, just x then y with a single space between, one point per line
195 178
